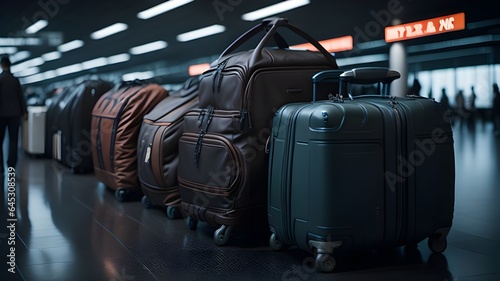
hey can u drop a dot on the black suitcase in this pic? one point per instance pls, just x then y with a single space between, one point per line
157 148
357 173
71 144
52 118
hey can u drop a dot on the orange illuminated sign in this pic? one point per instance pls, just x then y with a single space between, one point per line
339 44
425 27
197 69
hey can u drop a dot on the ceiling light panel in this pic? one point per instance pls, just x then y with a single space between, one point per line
274 9
75 44
28 71
150 47
69 69
108 31
8 50
202 32
118 58
94 63
162 8
51 56
27 64
137 75
37 26
19 56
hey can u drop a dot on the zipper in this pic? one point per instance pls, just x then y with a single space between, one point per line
286 173
217 77
99 146
202 131
212 138
116 121
399 173
244 114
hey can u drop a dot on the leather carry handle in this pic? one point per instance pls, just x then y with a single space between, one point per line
271 25
251 33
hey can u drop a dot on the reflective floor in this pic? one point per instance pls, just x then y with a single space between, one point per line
70 227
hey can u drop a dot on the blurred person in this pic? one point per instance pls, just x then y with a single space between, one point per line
445 101
471 110
460 110
12 108
415 88
496 109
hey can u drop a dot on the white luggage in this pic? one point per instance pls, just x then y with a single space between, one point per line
34 130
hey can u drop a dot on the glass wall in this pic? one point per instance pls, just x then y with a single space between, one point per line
453 80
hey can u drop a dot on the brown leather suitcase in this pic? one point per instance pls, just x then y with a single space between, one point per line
116 121
222 161
157 148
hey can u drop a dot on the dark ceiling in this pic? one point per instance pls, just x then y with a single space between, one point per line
75 19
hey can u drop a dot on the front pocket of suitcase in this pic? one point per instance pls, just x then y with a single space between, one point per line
219 168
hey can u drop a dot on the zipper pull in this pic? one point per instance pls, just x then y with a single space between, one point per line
148 153
217 78
393 102
243 117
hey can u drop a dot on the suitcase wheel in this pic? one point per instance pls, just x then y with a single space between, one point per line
173 212
275 243
325 263
221 235
121 195
146 202
191 223
437 244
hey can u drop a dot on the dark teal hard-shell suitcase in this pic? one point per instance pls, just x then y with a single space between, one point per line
364 172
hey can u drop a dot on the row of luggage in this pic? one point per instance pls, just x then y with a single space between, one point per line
276 136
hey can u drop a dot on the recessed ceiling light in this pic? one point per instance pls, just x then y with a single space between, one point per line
162 8
150 47
94 63
34 28
118 58
27 64
51 56
70 46
137 75
274 9
107 31
69 69
28 71
19 56
8 50
202 32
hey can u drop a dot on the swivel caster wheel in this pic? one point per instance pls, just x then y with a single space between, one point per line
173 212
325 263
191 223
221 235
275 243
437 245
146 202
121 195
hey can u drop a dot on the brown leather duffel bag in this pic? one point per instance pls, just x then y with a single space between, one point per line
116 121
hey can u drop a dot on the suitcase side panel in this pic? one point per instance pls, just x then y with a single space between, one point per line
430 168
279 177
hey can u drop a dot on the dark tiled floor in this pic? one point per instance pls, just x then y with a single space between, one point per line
70 227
